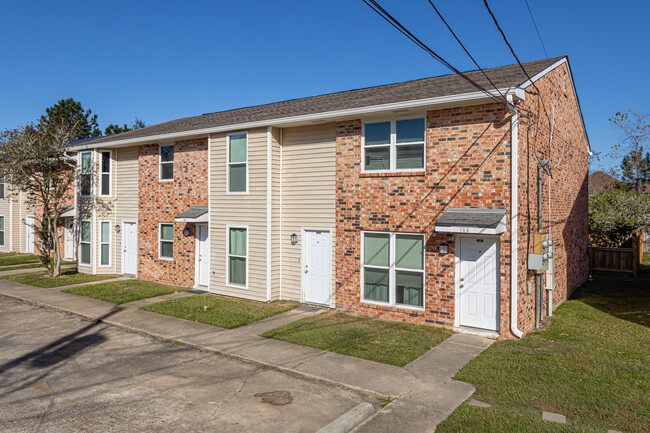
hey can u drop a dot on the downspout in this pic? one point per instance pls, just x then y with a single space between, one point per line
269 208
514 201
11 219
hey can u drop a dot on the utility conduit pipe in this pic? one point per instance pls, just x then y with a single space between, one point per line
514 201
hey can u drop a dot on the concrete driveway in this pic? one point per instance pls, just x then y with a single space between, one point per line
61 373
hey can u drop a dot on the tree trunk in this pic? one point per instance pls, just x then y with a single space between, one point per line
56 248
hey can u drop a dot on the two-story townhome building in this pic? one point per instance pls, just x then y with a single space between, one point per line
16 221
416 201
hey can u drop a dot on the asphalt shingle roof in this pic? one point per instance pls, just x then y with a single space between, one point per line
444 85
194 212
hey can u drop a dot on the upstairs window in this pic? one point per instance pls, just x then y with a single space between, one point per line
393 269
106 174
166 162
86 173
2 187
238 163
398 145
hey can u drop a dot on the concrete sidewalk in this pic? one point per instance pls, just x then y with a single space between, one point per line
423 389
30 270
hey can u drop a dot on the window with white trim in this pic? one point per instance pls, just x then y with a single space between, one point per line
84 240
105 188
2 187
393 268
237 256
397 145
237 163
167 162
86 173
166 250
2 231
105 243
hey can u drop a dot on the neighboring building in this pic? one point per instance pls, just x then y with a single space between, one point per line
394 201
16 221
600 181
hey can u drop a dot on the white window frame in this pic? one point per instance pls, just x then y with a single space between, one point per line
160 162
81 242
393 146
228 164
102 173
228 255
4 230
392 271
160 241
101 243
90 175
2 188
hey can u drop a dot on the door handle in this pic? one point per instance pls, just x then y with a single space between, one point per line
462 285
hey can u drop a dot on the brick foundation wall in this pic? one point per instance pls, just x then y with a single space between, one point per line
568 155
161 201
468 166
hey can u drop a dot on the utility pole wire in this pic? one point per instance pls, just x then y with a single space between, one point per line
536 29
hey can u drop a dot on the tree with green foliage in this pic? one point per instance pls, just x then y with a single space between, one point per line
71 116
635 168
616 214
636 132
113 129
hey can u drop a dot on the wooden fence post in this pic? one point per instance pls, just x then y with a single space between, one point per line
635 255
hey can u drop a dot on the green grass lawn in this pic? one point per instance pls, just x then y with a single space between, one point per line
220 311
377 340
42 279
592 364
10 259
119 292
29 266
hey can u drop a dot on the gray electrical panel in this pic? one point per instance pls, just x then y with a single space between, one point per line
535 262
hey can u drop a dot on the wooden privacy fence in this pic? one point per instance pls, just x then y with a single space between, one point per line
615 260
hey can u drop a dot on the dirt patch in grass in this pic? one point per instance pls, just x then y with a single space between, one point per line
377 340
220 311
120 292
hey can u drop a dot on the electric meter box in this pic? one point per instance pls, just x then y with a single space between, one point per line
535 262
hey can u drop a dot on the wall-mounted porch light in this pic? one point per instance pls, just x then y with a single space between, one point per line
444 249
186 232
117 228
294 239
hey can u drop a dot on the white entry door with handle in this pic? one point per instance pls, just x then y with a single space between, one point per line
478 282
29 234
130 249
317 274
68 245
202 256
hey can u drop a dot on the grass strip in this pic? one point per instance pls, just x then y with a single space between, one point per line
388 342
220 311
120 292
67 277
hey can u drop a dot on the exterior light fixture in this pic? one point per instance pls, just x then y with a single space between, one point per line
444 249
23 220
186 232
117 228
294 239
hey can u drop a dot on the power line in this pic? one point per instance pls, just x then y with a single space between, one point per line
465 49
395 23
536 29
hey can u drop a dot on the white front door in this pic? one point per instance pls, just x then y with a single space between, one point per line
202 256
130 249
318 258
478 282
29 236
68 246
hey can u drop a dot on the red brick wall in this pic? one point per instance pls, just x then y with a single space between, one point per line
568 154
161 201
468 165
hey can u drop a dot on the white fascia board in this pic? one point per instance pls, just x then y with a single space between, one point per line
450 99
500 228
202 219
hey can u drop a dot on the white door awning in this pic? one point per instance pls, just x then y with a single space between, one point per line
472 221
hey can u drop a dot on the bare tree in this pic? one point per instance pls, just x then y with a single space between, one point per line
636 132
34 159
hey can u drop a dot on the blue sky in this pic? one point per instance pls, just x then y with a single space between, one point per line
161 60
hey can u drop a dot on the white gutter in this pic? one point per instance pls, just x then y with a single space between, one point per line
269 197
11 218
328 115
514 201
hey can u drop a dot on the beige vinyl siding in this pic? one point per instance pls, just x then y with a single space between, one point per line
125 190
240 210
276 279
308 197
24 209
